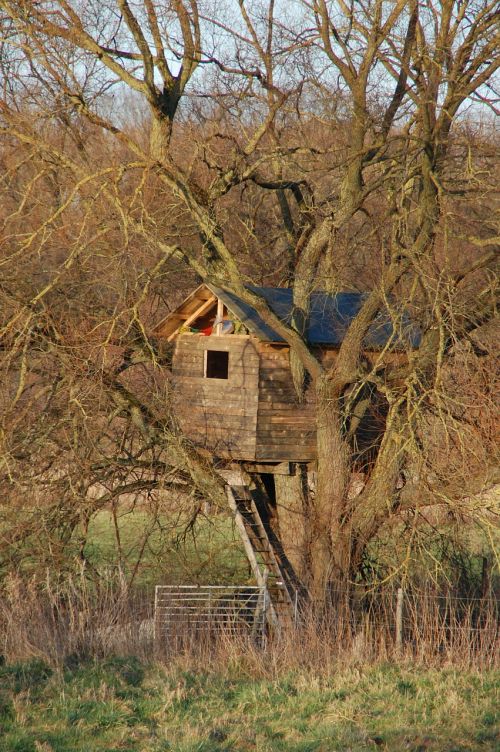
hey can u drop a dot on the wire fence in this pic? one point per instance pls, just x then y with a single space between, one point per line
410 620
75 619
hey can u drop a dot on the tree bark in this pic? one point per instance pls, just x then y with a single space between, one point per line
159 139
330 549
294 504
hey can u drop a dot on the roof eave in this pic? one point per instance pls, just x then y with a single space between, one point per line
250 324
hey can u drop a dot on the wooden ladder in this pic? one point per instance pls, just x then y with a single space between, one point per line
258 545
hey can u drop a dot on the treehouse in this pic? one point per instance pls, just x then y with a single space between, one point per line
233 388
234 397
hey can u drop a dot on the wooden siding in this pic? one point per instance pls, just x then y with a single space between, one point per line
286 430
218 414
254 414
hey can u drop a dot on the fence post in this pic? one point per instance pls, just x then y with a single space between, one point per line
260 615
399 619
155 617
265 605
264 617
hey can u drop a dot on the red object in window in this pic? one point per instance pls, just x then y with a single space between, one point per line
207 331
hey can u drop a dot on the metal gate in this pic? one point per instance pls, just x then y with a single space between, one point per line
181 610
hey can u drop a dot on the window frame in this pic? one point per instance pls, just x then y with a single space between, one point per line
206 364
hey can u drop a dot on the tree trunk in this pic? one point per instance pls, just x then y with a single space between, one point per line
330 549
294 504
159 139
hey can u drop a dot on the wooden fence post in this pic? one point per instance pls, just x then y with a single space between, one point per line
399 619
261 610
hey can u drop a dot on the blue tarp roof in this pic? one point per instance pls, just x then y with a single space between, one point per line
329 318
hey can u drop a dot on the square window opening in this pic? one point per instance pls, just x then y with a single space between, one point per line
216 364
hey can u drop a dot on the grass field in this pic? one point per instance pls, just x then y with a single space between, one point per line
121 704
210 552
272 705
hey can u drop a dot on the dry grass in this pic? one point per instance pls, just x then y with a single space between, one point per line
79 620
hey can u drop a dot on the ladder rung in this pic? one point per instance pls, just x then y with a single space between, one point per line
257 536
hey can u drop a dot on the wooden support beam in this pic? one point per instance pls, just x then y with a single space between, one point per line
220 314
279 468
192 317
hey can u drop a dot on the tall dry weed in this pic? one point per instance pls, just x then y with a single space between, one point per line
78 620
74 619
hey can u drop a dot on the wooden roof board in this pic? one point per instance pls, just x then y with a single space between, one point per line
195 305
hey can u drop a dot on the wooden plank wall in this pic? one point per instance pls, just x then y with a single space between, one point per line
286 430
218 414
254 414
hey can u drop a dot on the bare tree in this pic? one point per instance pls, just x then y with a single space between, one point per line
337 126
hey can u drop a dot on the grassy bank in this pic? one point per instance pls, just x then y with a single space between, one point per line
121 704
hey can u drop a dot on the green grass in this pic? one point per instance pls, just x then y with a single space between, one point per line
211 552
120 704
161 549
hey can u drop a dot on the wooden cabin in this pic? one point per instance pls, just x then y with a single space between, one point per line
233 388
